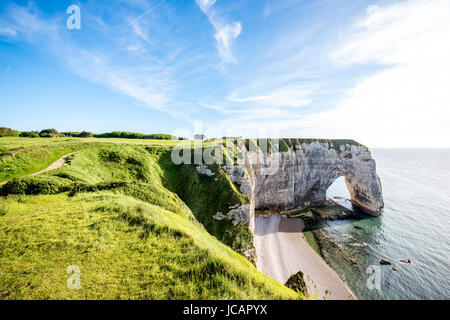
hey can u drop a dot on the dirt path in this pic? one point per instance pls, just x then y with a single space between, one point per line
55 165
282 251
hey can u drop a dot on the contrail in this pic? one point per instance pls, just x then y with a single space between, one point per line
146 13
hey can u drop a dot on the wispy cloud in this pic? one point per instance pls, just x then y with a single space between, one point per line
151 83
377 74
205 5
402 101
145 13
405 103
226 32
6 31
291 95
7 70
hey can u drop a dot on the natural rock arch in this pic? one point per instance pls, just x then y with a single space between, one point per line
304 174
359 169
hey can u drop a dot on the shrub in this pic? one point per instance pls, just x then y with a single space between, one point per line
297 283
70 134
35 185
84 188
86 134
7 132
45 135
50 131
29 134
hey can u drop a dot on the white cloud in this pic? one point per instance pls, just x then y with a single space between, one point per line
403 102
407 103
226 32
149 83
6 31
7 70
205 4
225 35
286 96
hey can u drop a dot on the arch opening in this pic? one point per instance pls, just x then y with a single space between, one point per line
339 192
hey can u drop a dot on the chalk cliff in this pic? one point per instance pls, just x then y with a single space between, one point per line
299 176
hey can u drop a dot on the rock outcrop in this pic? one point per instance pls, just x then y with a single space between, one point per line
300 176
297 283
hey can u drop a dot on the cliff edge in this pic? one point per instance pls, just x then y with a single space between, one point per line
300 176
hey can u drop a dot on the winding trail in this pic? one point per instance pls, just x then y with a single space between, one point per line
282 251
55 165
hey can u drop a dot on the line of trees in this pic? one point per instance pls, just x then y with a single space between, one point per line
52 133
135 135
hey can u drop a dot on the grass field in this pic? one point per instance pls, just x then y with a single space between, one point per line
136 225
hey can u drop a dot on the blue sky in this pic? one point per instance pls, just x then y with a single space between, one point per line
374 71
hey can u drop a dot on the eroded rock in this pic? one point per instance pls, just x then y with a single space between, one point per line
300 178
204 170
240 214
297 283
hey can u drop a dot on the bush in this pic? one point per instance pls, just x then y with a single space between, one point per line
52 185
70 134
86 134
45 135
297 283
34 186
29 134
84 188
50 131
7 132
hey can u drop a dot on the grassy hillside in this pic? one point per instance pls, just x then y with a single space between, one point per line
206 196
116 210
23 156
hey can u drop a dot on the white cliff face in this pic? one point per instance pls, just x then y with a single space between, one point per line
300 178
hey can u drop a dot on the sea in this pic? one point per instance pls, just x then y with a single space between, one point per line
414 226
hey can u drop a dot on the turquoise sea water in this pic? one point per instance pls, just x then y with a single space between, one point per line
415 225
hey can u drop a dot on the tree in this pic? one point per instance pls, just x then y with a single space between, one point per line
50 131
8 132
85 134
29 134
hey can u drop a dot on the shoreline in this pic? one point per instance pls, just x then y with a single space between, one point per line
282 250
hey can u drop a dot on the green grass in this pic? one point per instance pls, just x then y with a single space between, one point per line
206 196
23 156
135 224
21 161
312 241
125 248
